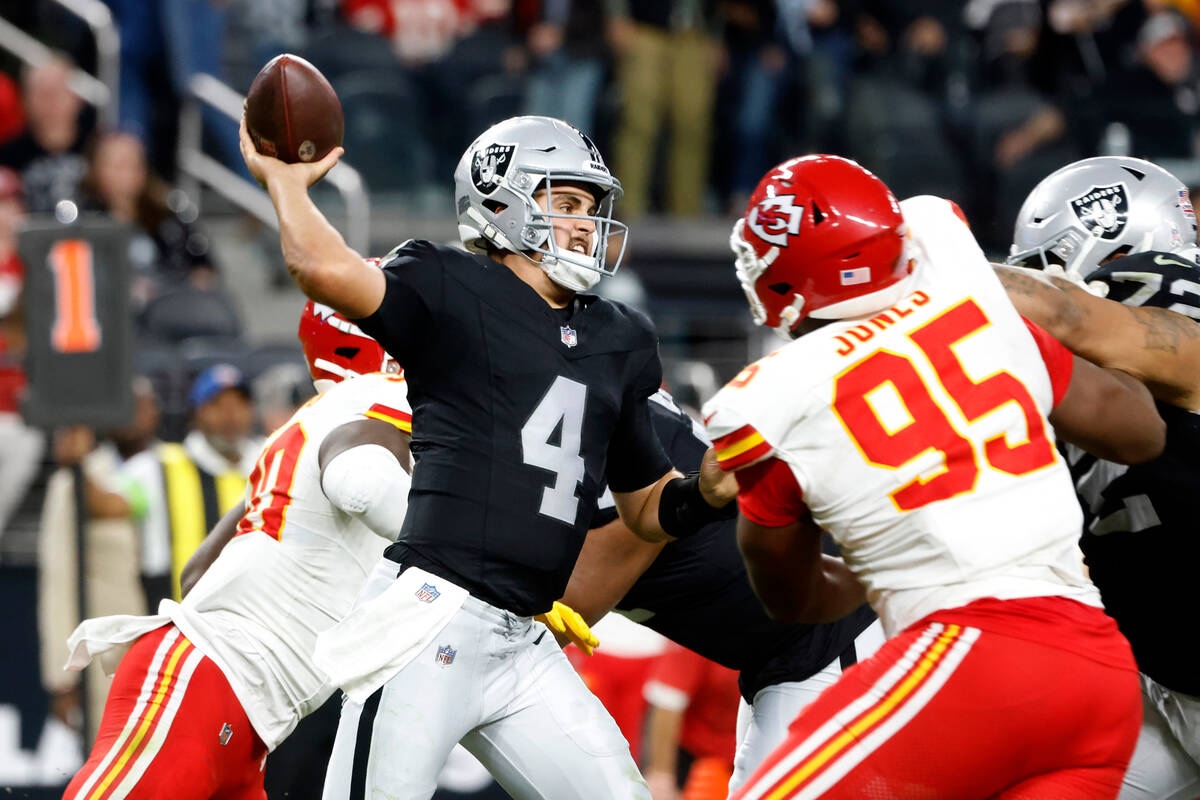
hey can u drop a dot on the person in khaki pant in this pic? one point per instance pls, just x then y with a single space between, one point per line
667 66
112 581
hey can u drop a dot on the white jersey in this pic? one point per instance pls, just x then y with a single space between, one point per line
918 437
291 572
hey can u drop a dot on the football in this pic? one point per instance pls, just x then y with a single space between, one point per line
292 112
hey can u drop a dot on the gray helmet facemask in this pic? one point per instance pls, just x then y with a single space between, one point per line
1088 211
494 185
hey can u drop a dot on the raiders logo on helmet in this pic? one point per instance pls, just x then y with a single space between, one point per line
489 165
774 219
1103 210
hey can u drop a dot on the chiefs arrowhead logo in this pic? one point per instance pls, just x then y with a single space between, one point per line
774 219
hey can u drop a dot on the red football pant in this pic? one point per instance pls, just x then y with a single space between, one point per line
172 728
946 711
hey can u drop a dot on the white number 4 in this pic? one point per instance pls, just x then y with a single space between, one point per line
563 403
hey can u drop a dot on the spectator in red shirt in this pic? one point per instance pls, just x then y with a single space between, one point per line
693 708
12 276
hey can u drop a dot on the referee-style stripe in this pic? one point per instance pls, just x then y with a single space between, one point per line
362 746
868 721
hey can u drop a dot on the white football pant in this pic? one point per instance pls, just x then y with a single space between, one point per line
500 684
1166 762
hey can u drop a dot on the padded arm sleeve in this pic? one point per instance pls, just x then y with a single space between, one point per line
368 482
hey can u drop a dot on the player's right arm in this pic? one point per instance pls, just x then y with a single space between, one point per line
611 561
365 472
318 258
1158 347
1109 414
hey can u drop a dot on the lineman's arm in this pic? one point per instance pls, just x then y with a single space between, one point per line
318 259
1109 414
365 472
678 502
1154 345
221 534
794 580
612 560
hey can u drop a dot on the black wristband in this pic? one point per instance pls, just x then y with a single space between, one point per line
683 511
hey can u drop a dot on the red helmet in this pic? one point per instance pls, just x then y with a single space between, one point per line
821 236
336 349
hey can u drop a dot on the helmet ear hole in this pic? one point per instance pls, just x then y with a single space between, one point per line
494 206
346 352
780 288
818 214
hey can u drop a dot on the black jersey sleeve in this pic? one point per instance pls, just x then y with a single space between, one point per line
413 289
636 458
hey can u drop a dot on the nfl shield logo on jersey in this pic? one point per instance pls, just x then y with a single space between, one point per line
428 593
569 337
445 655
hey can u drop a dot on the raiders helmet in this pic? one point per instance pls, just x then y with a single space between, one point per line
497 177
1096 209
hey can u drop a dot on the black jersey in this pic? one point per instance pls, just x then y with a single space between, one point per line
520 413
697 593
1141 546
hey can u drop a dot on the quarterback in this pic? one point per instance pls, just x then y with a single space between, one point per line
206 688
528 393
918 431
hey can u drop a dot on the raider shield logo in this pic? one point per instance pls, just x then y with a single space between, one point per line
1103 210
489 165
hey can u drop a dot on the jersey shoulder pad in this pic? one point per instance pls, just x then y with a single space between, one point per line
746 419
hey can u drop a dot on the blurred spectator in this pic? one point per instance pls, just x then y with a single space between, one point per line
279 391
693 710
667 61
460 56
49 154
12 114
749 95
185 488
909 39
110 582
1018 133
20 446
569 54
1158 97
170 248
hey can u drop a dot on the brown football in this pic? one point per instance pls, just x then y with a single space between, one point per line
292 112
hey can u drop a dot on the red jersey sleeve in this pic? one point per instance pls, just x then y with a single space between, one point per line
1060 363
769 495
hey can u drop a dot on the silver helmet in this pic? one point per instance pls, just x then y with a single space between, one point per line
1092 210
494 185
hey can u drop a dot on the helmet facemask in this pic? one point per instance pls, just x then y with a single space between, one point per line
569 269
749 268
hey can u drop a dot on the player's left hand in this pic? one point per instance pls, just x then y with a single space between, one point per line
563 620
718 486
